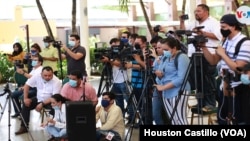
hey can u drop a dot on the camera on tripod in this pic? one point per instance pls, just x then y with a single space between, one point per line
110 52
19 64
57 44
127 53
196 40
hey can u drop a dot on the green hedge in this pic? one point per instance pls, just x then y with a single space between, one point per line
6 69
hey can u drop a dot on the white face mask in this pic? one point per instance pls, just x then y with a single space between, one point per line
46 44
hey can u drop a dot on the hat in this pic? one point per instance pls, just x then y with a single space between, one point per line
244 68
47 39
230 19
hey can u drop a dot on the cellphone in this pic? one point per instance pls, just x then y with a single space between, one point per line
185 17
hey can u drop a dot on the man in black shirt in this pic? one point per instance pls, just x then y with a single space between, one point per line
75 55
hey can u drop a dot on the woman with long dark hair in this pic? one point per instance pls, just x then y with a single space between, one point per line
18 54
172 78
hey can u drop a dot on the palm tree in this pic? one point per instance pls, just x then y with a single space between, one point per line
124 7
45 20
73 22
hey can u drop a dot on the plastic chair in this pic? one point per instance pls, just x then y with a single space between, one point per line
44 112
65 80
19 79
210 115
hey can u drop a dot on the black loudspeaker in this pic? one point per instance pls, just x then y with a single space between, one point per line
80 121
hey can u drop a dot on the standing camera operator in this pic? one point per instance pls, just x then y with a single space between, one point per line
75 55
211 31
225 54
138 65
120 77
50 54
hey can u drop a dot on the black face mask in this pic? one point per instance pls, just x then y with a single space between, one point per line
225 33
137 46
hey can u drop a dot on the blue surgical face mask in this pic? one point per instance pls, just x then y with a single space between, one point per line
72 43
56 107
46 44
124 40
72 83
33 52
105 103
167 53
34 63
244 78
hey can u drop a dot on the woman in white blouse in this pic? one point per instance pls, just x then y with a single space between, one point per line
56 126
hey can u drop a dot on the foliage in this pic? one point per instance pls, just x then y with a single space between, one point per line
124 5
63 70
6 69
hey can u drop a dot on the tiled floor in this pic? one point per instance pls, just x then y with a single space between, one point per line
8 126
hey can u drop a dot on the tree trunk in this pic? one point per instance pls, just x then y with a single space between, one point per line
73 22
183 6
45 20
146 18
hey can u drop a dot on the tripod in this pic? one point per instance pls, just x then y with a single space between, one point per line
229 100
8 101
196 60
107 77
144 104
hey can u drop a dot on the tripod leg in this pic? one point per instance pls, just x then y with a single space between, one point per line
3 109
19 111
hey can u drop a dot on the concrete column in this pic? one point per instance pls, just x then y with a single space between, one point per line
228 6
170 9
84 32
151 11
132 13
175 16
192 6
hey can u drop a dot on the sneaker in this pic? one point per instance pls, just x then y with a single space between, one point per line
15 115
22 130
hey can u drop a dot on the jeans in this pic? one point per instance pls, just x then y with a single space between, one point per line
157 107
121 92
56 132
16 95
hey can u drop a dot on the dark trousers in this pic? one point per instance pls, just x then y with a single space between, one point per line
26 110
17 96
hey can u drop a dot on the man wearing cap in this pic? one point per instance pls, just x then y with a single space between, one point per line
49 54
211 31
234 99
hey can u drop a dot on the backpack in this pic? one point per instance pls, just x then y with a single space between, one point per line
176 59
238 45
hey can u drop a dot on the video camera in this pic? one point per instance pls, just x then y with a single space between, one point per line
110 52
19 64
49 39
196 40
57 44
